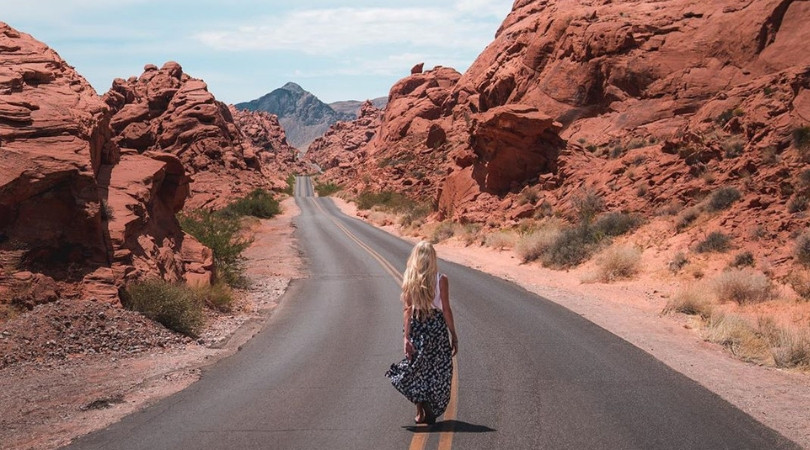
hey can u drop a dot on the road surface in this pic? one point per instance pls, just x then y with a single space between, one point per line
529 373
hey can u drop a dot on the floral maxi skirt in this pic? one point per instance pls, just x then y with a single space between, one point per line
427 376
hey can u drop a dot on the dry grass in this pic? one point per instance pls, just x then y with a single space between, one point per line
218 296
470 233
532 245
791 348
743 286
619 263
693 300
444 231
739 337
500 240
800 282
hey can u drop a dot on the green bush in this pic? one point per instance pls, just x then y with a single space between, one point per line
386 200
714 242
723 198
259 203
172 305
217 296
290 184
571 247
616 223
220 233
326 189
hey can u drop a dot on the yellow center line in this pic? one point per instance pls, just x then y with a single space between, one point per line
419 440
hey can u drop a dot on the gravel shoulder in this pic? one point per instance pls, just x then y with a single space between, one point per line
73 368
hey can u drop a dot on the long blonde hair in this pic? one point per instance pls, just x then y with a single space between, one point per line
419 280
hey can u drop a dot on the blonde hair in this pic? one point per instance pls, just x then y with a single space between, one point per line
419 280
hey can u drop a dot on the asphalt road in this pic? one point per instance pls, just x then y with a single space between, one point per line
531 374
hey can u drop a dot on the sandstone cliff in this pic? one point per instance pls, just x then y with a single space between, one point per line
648 104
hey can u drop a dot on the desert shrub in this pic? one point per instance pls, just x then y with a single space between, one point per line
587 205
677 262
743 286
172 305
385 200
739 336
327 189
792 348
571 247
258 203
616 152
616 223
686 217
532 245
743 259
801 140
641 190
804 180
797 204
544 209
619 262
727 115
636 143
723 198
800 282
714 242
470 233
733 148
443 231
529 195
220 233
414 213
802 249
217 296
693 301
591 148
500 240
290 184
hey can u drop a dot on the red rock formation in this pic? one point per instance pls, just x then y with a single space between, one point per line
166 110
650 96
278 158
344 144
77 218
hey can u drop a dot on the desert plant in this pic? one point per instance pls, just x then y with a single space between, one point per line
532 245
571 247
693 301
800 282
641 190
290 184
616 223
500 240
587 205
443 231
219 233
258 203
217 296
804 180
723 198
327 189
686 217
591 148
173 305
792 348
616 152
544 209
714 242
743 286
802 249
677 262
801 140
619 262
797 204
727 115
470 233
733 147
743 259
738 336
529 195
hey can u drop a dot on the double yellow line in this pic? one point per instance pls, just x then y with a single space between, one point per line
419 440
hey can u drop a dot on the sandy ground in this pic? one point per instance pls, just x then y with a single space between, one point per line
45 404
632 311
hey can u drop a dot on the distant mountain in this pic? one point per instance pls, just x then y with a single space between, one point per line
303 116
353 106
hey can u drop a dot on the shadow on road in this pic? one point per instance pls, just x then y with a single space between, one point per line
445 426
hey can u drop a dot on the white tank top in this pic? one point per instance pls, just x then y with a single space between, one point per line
437 299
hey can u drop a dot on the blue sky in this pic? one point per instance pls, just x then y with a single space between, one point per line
338 50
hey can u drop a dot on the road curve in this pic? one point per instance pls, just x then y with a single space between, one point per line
531 374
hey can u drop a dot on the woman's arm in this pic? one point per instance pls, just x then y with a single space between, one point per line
444 292
406 326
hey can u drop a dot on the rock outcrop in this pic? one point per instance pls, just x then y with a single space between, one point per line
78 217
341 145
646 104
167 111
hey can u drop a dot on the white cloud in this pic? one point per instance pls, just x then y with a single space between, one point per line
327 31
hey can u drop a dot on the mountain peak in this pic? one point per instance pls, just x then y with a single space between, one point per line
293 87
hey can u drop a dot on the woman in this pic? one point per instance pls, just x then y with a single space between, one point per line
424 376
